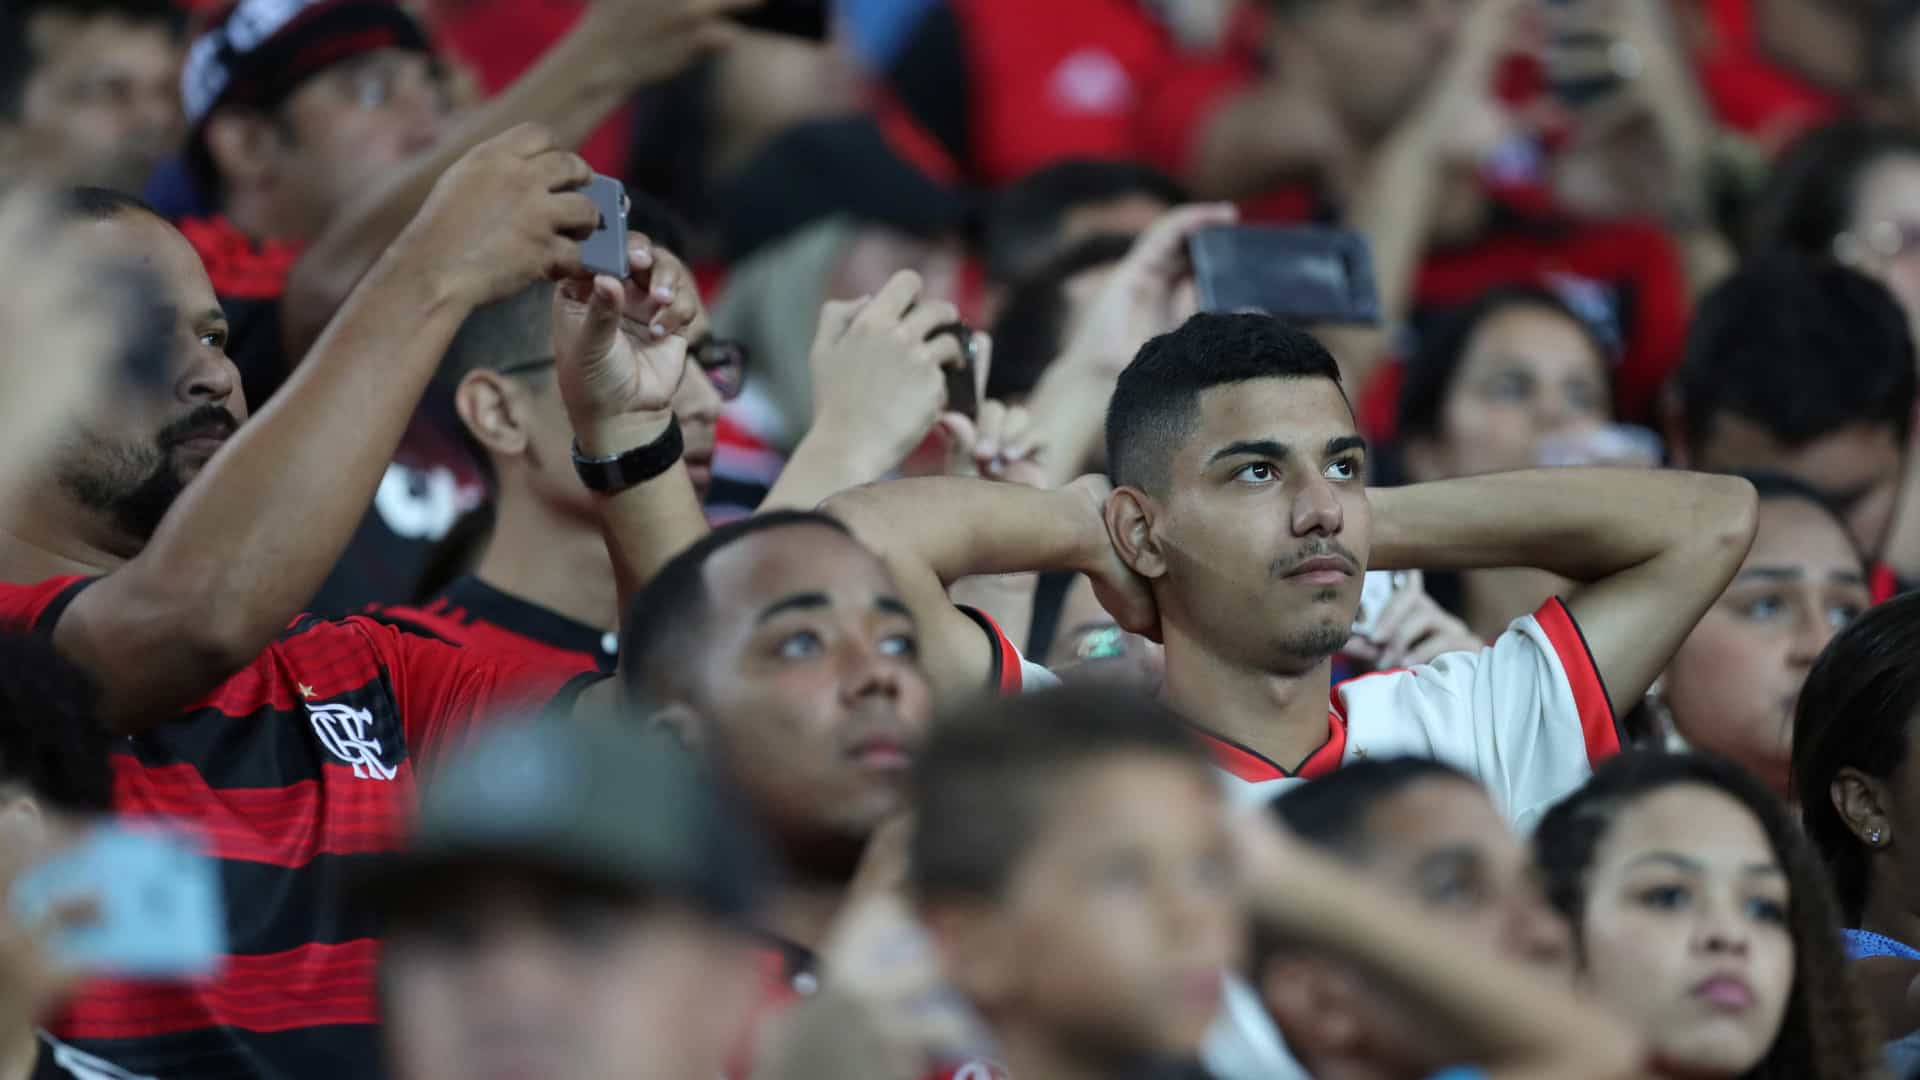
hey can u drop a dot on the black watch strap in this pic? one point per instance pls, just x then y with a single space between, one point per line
611 475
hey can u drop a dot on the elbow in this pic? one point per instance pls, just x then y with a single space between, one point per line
1730 516
859 508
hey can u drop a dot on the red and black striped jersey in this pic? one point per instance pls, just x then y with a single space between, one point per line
295 771
472 612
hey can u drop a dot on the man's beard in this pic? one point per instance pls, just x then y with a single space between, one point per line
1315 643
136 490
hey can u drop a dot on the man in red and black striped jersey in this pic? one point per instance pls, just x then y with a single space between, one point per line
290 745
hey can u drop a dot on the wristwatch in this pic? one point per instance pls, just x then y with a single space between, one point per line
612 475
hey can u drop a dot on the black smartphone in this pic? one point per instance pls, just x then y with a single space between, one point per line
808 19
963 388
1303 274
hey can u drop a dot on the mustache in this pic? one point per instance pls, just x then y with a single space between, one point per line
207 420
1280 568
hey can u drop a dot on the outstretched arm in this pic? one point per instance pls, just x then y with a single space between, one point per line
617 47
257 531
1654 547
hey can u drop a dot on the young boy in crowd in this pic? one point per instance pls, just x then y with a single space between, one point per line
1072 861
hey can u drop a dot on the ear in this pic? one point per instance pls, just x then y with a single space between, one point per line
684 724
977 952
1311 1003
1673 427
1863 803
491 407
1130 515
243 146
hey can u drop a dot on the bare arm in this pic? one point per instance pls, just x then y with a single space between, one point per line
1516 1020
1654 547
257 531
934 531
618 46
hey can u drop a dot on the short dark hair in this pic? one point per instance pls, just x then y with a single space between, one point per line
1853 713
87 203
1826 1034
1809 195
1331 813
20 62
665 615
1023 222
1434 366
1031 329
986 781
1156 401
52 741
1801 347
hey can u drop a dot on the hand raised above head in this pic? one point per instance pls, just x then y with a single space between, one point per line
508 213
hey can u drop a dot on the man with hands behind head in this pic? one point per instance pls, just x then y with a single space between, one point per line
1239 531
168 565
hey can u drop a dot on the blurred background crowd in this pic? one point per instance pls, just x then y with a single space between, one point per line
589 539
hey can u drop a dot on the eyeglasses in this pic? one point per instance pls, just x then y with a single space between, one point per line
723 362
1879 242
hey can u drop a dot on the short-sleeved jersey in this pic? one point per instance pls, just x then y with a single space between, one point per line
293 773
472 612
1526 716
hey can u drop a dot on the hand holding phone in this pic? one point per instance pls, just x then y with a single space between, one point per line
1303 274
156 899
605 250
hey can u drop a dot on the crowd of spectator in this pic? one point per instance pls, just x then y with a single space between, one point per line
896 628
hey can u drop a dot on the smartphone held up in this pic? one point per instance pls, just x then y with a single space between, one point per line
1304 274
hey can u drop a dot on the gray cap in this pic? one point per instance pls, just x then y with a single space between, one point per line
599 800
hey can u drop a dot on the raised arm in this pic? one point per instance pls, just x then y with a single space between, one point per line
1653 547
617 47
1517 1022
253 536
933 531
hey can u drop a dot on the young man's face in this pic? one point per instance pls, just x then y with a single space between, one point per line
346 128
1265 529
808 683
510 979
103 104
1121 919
1858 468
140 446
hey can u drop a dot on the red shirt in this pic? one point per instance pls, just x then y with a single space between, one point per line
472 612
1751 93
294 772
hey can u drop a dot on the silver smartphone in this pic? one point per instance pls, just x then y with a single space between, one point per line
605 252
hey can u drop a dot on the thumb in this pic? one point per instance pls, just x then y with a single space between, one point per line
602 320
959 435
836 316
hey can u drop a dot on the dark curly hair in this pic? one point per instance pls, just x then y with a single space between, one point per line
1826 1033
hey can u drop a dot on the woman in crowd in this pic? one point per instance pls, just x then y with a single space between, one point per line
1849 191
1853 773
1516 380
1732 687
1700 913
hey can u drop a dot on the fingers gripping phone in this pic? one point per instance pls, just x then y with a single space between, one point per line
1303 274
156 905
604 251
963 387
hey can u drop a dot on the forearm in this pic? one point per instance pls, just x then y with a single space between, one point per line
251 540
831 459
649 523
1243 147
1580 523
962 527
1069 410
1499 1012
569 92
1394 212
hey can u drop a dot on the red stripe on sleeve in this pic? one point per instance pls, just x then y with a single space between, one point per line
1597 724
277 826
1012 678
312 986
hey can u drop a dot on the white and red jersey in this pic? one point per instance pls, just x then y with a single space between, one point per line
1527 716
